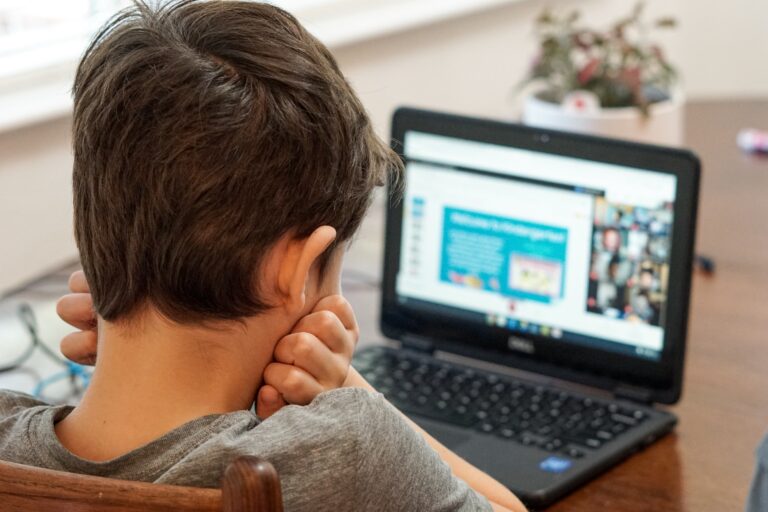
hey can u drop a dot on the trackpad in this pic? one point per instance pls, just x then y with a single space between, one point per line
449 436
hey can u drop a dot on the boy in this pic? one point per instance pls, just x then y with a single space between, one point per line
222 163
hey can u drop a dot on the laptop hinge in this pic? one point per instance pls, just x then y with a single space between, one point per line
633 394
417 343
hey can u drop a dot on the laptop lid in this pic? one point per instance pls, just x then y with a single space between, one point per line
557 253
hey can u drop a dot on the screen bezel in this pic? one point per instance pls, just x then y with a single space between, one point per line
661 378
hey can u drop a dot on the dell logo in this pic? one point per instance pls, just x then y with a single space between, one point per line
520 345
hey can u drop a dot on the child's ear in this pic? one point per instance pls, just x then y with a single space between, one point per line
297 260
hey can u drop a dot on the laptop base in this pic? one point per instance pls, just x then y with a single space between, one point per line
541 441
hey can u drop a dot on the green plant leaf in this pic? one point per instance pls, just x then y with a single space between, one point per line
545 17
666 23
628 64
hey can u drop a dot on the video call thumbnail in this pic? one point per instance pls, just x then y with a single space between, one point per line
630 261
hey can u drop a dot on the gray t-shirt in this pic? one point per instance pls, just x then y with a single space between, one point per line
347 450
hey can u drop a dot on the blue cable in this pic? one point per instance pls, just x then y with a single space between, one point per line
73 370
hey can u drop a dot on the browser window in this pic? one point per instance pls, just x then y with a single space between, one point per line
554 246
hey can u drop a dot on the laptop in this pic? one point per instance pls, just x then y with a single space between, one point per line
536 288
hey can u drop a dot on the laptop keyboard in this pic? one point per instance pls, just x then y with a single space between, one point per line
526 413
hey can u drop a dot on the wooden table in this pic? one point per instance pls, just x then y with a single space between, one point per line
706 465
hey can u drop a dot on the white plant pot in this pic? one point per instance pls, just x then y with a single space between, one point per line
664 125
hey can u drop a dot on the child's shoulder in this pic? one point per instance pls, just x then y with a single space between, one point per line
335 426
23 419
15 402
340 414
348 414
347 399
319 450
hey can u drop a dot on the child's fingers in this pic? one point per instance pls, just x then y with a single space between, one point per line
268 402
78 283
77 310
297 386
341 307
305 351
326 326
80 347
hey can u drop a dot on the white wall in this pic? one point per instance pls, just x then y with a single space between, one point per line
724 49
467 65
35 201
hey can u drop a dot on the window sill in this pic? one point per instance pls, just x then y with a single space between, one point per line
45 94
344 22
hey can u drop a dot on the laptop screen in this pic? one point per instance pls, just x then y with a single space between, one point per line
537 243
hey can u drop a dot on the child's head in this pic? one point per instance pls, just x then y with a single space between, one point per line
205 135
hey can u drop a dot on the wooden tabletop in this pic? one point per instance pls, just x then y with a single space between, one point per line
706 465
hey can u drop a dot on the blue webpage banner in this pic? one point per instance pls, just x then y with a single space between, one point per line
518 259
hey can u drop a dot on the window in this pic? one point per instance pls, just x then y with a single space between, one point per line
40 43
46 32
41 40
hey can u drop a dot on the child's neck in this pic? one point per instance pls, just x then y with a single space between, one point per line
152 376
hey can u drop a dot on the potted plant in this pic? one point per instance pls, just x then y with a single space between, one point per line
613 82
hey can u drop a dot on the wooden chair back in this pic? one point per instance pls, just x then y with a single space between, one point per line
249 484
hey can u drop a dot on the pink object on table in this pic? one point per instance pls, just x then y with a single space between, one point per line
753 141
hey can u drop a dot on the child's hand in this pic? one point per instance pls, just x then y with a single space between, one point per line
76 309
313 358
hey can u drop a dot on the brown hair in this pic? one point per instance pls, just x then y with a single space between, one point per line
203 132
